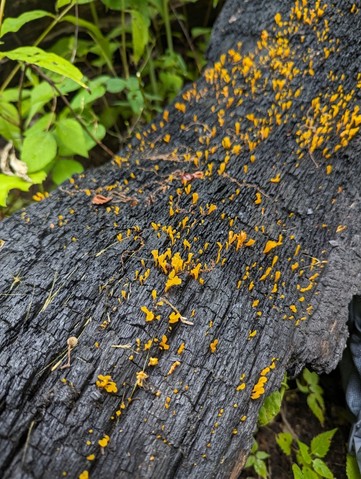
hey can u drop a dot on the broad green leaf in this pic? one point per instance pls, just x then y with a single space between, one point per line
321 443
50 61
297 473
84 97
40 95
352 470
304 453
140 34
71 136
63 3
14 24
115 85
38 150
262 455
270 408
308 473
261 468
310 376
316 404
64 169
250 461
284 440
8 183
12 94
98 130
9 121
321 468
42 124
113 4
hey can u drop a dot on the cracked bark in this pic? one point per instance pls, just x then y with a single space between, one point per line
73 269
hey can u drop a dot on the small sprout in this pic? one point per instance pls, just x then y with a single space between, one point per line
71 342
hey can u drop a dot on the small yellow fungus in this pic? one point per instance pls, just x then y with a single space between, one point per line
141 377
106 382
104 441
149 315
213 346
153 361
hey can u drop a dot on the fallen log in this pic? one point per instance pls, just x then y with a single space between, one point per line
220 249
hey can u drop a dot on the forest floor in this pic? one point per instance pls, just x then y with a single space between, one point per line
296 417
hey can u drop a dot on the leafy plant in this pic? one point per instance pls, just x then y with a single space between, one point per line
257 461
52 116
272 405
309 384
352 469
310 464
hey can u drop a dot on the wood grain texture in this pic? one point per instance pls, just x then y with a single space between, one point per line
274 304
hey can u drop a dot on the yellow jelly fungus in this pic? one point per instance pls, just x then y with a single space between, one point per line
149 315
141 377
173 280
163 344
213 346
84 475
106 382
153 361
104 441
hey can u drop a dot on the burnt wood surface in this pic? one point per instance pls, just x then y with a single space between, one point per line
248 185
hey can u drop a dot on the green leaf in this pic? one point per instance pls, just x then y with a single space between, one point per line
64 169
284 440
297 473
113 4
84 97
261 468
42 124
8 183
352 469
9 121
321 443
40 95
308 473
140 34
63 3
321 468
71 136
38 150
270 408
50 61
262 455
98 130
304 453
14 24
250 461
115 85
316 404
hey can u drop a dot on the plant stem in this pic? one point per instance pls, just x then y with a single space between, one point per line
36 43
123 50
168 29
2 8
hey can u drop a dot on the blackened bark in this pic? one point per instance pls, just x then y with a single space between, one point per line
272 223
